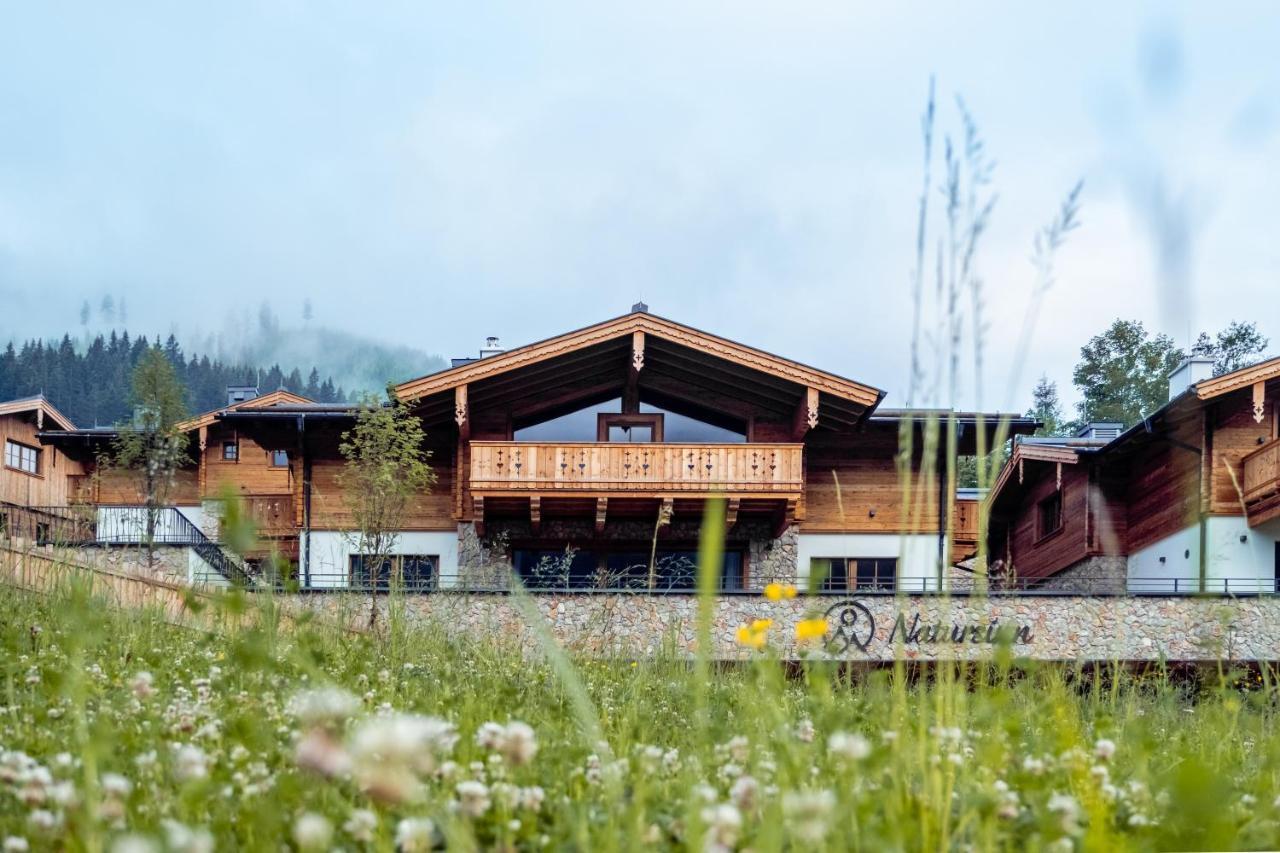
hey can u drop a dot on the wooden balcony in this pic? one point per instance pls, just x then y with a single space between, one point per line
509 468
1260 484
272 515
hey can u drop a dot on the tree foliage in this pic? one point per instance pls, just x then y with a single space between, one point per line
1047 408
1236 346
386 466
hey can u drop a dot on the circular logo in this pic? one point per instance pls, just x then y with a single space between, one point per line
851 625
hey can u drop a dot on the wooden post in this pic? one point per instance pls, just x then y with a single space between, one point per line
731 512
460 414
1259 400
477 514
602 510
806 416
631 394
535 513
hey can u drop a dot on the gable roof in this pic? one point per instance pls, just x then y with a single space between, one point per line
624 326
39 404
268 400
1207 389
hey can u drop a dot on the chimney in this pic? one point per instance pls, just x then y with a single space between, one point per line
1191 370
240 393
490 347
1101 430
639 308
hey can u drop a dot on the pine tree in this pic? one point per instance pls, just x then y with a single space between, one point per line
1047 408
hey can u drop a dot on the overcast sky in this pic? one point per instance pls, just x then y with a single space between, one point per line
433 175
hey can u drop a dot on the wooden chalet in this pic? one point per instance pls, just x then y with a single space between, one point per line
31 474
1188 499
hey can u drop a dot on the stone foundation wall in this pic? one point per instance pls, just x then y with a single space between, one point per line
1058 627
168 563
1098 574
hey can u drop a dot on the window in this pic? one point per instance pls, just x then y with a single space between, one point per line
629 428
1050 514
21 457
279 459
674 569
230 451
409 572
831 574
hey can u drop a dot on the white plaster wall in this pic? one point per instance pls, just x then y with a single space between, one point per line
331 552
917 554
196 515
1239 559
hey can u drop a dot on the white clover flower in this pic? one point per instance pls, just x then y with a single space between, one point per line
1104 749
531 798
323 706
808 812
473 798
319 751
190 763
312 832
142 685
390 753
724 823
361 825
183 839
804 730
44 820
489 736
519 745
415 835
1138 819
848 747
1033 765
745 793
16 844
1061 845
115 785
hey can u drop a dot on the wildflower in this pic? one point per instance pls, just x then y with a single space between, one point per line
183 839
390 753
1067 808
804 730
750 639
531 798
312 832
115 785
489 736
519 745
848 747
808 630
190 763
44 820
141 685
745 793
327 707
761 625
361 825
1033 765
724 822
778 591
319 750
1104 749
473 798
1138 819
808 812
16 844
1061 845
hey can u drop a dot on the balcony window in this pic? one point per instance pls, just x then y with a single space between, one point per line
629 428
410 572
20 457
839 574
279 459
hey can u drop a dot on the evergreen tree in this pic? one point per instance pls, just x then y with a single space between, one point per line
1047 408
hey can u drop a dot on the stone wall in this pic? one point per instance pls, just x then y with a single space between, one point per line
1056 627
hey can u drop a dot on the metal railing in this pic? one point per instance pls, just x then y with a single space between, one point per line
90 526
497 581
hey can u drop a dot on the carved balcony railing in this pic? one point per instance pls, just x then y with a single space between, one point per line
272 515
524 467
1261 472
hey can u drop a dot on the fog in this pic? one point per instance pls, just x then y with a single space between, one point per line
424 177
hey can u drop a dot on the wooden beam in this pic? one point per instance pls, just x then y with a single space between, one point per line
535 513
785 518
477 513
665 510
602 510
460 414
731 512
631 395
806 416
1259 400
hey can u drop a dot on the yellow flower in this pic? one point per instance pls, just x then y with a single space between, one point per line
761 625
749 638
773 591
808 630
789 591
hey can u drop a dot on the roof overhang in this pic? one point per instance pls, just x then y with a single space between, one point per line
1263 371
43 409
671 359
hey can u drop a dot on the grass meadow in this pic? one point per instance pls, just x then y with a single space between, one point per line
120 731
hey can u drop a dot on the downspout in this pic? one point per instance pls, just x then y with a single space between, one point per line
306 500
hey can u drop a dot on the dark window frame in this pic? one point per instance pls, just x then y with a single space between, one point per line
1046 526
734 574
234 447
274 455
606 420
359 578
21 453
868 574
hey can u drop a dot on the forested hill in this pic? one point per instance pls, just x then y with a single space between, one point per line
90 384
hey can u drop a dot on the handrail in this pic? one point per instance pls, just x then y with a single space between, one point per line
1257 477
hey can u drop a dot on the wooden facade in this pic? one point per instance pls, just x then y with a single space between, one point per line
55 476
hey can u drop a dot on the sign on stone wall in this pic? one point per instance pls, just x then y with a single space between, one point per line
852 625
